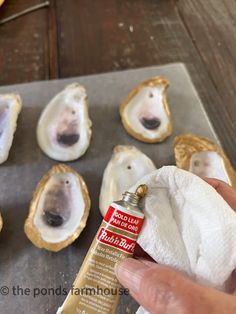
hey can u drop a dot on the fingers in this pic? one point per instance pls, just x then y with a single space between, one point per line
217 184
156 288
163 291
225 190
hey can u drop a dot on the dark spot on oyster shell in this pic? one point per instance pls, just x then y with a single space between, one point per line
150 123
67 139
52 218
67 133
57 207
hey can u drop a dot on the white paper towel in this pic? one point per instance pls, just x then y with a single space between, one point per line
188 226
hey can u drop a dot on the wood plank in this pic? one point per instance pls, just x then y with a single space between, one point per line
53 42
24 44
120 36
211 25
109 35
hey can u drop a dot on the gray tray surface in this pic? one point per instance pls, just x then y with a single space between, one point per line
21 264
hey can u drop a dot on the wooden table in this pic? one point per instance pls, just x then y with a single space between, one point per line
79 37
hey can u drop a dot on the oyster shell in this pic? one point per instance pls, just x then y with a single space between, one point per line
126 166
59 209
64 127
10 107
1 2
145 112
201 156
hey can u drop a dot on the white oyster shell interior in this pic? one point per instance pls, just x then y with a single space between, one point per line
64 128
10 107
146 114
209 164
60 208
126 167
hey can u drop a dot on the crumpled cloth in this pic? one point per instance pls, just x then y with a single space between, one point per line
188 226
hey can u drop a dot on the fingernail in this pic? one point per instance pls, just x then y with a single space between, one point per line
130 273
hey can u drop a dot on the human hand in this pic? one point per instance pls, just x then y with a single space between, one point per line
226 191
161 290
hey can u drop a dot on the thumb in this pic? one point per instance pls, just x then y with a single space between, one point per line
161 290
225 190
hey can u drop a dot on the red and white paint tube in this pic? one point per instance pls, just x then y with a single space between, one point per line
96 288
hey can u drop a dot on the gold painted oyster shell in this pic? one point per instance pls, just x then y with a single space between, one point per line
61 186
1 2
145 112
187 146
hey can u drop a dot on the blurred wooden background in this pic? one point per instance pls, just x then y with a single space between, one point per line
79 37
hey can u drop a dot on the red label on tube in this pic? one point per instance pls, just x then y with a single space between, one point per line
124 221
116 240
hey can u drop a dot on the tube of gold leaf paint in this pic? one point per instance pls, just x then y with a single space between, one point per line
96 288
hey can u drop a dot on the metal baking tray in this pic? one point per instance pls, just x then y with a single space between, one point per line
47 275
